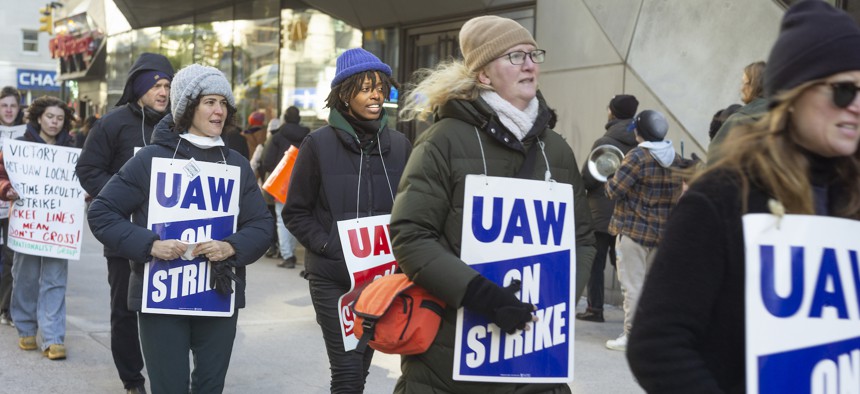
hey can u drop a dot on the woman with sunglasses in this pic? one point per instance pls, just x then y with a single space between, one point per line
689 333
488 114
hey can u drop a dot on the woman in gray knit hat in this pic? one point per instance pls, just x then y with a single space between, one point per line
227 235
488 116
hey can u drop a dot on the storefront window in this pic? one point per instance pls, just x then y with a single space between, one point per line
256 44
177 44
312 42
119 59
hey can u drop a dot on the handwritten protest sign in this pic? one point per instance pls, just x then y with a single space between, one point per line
802 304
367 252
519 229
193 202
8 133
48 218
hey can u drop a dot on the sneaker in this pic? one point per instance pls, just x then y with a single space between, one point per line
619 344
27 343
272 252
591 315
5 319
56 351
136 390
288 263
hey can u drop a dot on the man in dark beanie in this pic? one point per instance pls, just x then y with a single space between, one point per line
620 111
111 142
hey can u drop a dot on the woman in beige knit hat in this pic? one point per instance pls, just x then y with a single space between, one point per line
489 119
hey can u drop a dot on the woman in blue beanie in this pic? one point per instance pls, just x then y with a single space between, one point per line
346 170
238 233
801 158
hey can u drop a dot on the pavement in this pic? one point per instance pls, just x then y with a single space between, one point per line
278 347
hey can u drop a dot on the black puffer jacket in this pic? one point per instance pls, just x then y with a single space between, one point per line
601 206
324 189
290 134
128 193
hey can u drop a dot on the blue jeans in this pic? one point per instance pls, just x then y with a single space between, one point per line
39 297
287 240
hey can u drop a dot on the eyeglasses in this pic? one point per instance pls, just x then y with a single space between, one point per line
519 57
844 93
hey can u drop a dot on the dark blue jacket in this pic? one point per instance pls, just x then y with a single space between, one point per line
127 194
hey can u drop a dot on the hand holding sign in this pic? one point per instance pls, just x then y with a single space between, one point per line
167 250
215 250
500 305
11 195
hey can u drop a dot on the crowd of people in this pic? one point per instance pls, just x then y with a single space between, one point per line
672 227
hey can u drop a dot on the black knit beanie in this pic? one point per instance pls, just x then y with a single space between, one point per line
815 40
623 106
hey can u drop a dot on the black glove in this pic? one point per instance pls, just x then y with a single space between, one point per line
498 304
221 276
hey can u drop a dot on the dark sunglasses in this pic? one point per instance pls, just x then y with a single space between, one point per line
844 93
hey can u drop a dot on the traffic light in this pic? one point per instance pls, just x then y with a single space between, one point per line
47 19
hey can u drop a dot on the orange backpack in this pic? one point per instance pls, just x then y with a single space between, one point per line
395 316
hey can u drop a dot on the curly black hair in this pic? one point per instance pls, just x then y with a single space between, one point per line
38 107
341 93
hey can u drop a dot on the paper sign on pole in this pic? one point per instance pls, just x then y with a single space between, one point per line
519 229
8 133
47 220
802 304
192 202
368 256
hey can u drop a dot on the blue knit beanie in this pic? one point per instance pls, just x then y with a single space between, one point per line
357 60
146 80
194 81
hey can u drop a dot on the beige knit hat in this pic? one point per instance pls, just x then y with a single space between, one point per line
485 38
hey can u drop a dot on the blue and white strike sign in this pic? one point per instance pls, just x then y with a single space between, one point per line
519 229
193 202
802 304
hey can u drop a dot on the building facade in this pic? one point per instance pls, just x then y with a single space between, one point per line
25 60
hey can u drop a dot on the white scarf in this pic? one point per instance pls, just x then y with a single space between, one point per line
201 141
518 122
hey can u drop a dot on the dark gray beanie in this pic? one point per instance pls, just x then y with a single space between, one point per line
815 40
194 81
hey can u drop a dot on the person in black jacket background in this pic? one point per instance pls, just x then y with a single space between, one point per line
110 143
346 170
621 110
202 103
290 134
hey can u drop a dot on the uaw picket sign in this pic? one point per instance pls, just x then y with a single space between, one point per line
519 229
192 202
367 252
802 304
8 133
48 218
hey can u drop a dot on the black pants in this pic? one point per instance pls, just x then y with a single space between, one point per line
124 340
6 273
605 244
166 341
349 370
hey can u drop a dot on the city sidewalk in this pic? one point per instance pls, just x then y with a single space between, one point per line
278 347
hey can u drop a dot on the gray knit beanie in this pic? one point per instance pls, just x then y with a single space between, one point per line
485 38
194 81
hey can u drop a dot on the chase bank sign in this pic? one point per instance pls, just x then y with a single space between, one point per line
37 80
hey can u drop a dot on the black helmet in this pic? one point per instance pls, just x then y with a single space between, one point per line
651 125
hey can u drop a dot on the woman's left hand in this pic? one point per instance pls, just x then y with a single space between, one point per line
214 250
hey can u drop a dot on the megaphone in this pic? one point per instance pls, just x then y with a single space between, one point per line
603 161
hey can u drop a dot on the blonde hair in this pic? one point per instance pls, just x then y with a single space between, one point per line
450 80
767 154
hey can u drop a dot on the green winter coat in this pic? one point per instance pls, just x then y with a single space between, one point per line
426 224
